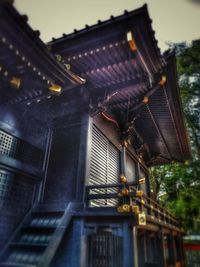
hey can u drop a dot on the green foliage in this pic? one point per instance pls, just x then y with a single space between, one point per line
178 185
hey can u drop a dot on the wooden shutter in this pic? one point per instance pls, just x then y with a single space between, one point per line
104 166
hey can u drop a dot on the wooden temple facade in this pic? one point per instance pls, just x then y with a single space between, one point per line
81 121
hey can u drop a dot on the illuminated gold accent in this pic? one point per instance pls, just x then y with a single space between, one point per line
124 208
163 80
124 191
135 209
139 193
55 89
142 180
145 100
131 41
142 218
142 201
125 143
15 82
122 178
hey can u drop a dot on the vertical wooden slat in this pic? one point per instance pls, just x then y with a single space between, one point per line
104 166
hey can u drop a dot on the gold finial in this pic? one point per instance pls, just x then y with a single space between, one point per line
122 178
124 191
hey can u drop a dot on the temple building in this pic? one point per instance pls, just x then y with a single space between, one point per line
82 119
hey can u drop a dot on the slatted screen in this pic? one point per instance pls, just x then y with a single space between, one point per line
104 166
105 250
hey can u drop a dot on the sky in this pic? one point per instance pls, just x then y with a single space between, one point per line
173 20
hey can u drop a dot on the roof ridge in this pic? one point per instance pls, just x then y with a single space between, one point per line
143 8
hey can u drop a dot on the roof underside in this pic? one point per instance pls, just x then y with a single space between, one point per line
118 79
26 59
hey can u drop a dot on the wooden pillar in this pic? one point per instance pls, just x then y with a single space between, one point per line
182 251
128 255
135 247
123 159
161 249
172 250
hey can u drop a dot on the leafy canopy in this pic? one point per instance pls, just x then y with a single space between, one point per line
178 185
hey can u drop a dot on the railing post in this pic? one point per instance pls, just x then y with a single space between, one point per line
162 259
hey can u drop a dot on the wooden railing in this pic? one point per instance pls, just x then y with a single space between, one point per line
130 200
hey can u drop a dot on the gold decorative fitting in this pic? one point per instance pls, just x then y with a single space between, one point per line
67 66
122 178
142 201
55 89
139 193
131 41
125 143
15 82
142 180
163 80
135 209
145 100
124 191
142 218
58 57
124 208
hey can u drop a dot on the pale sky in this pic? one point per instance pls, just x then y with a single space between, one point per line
173 20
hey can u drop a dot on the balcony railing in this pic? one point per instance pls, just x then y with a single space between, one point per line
129 200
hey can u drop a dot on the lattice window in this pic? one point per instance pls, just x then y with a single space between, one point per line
16 194
8 144
21 150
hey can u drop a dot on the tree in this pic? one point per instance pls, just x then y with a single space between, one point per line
178 185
